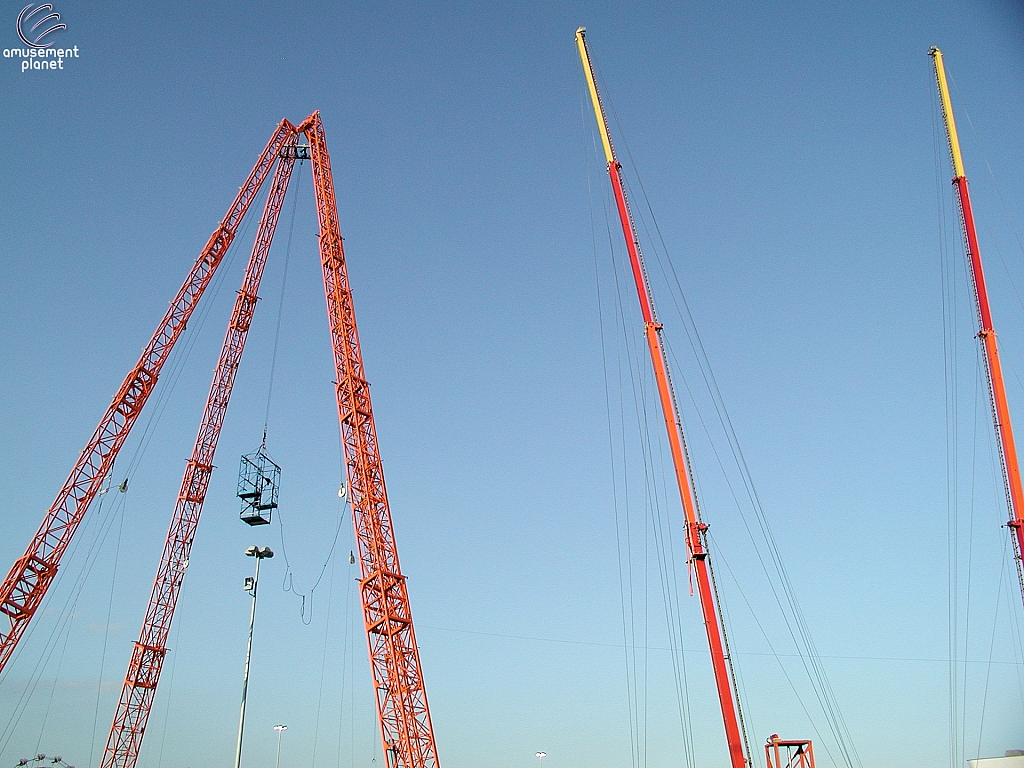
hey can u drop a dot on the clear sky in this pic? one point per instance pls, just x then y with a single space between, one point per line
788 152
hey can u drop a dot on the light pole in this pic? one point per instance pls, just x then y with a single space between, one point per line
540 759
251 583
280 729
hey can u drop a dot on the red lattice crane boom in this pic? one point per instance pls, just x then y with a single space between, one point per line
31 575
150 649
406 732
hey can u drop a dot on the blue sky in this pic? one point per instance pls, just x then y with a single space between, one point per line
788 154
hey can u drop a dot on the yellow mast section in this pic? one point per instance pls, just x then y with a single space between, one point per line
947 112
595 99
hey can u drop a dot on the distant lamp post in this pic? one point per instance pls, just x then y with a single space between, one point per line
540 759
280 729
251 582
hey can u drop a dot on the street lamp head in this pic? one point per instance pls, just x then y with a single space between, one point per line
251 551
280 728
265 552
542 754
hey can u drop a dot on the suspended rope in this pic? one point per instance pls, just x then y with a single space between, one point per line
106 635
288 583
280 301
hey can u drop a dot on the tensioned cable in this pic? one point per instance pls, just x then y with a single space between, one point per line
1020 245
323 665
1016 631
979 375
959 680
98 535
644 403
183 350
991 649
950 353
611 442
346 665
814 670
622 520
732 491
984 155
56 679
666 563
106 636
280 302
1015 662
101 532
627 352
771 647
633 370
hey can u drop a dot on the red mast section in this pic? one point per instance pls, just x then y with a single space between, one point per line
695 528
987 334
31 575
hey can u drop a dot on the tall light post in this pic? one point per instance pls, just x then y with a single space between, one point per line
280 729
540 759
251 583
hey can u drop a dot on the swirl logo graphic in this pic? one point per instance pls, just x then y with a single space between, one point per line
25 18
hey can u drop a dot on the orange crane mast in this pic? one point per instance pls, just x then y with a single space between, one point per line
986 332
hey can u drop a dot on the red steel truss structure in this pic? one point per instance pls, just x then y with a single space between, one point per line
406 731
780 753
